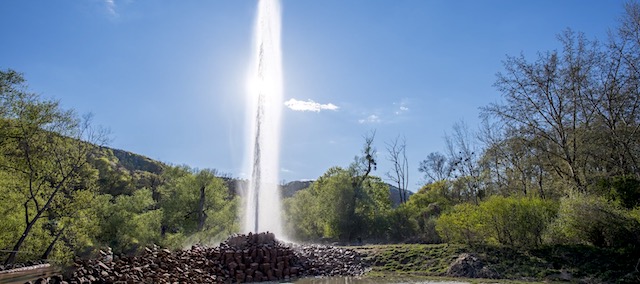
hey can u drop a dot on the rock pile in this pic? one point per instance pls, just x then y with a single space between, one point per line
258 257
241 258
318 260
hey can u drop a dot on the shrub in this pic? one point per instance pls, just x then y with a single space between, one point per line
511 221
517 222
585 219
462 225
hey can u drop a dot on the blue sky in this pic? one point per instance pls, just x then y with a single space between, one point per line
168 78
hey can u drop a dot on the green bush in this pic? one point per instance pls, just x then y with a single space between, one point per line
585 219
517 222
462 225
511 221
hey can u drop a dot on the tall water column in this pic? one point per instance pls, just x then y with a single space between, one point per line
262 208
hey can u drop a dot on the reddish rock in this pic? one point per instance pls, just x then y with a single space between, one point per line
250 258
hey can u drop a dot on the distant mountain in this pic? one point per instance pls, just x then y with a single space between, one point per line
394 194
290 188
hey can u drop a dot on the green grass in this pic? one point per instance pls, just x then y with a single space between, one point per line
583 262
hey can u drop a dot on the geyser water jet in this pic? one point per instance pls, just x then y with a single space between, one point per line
262 207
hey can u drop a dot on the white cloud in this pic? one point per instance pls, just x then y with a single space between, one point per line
309 105
370 119
402 107
284 170
111 7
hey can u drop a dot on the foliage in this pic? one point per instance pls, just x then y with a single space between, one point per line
197 204
586 219
332 208
44 148
112 179
517 222
129 222
302 215
462 225
511 221
624 190
415 220
343 204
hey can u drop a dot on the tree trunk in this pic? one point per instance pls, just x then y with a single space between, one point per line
47 252
12 256
201 214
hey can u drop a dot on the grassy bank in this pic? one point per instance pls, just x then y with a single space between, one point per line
557 263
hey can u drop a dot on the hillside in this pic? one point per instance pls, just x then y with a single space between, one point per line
135 162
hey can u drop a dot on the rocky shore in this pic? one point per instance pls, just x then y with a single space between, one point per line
241 258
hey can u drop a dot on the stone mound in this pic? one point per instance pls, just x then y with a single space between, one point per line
241 258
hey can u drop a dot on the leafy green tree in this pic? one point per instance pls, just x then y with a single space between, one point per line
326 209
373 210
130 222
415 219
74 226
337 195
197 205
45 149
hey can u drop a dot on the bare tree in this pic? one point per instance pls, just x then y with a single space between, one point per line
544 100
363 165
463 154
435 167
399 175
